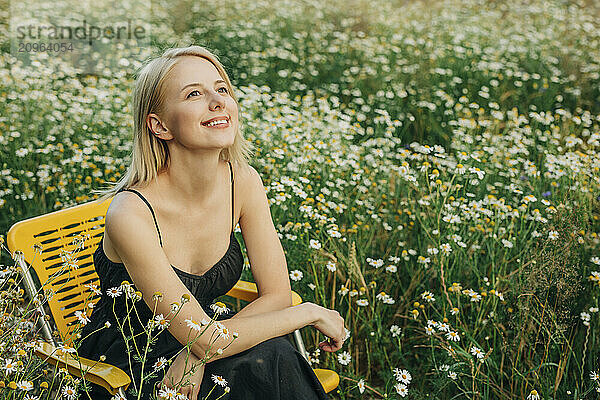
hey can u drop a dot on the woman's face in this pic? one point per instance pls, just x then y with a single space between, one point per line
196 95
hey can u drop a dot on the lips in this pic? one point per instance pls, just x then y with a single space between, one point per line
205 123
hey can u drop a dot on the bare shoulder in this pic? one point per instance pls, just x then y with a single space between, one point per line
245 177
124 205
128 217
243 172
249 183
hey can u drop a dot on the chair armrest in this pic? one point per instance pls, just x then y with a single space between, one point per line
105 375
329 379
247 291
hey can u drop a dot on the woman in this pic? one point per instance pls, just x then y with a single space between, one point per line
167 229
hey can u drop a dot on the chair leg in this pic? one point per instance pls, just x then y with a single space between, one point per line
32 292
300 344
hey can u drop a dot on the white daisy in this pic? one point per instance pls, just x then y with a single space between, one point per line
167 393
219 308
428 296
402 375
193 325
114 291
296 275
160 363
25 385
82 317
331 266
222 330
315 244
161 322
10 366
347 334
362 302
476 351
444 327
344 358
381 296
66 349
94 288
219 380
175 306
453 336
361 386
69 392
533 395
401 389
375 263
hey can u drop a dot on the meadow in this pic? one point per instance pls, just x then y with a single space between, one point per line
432 169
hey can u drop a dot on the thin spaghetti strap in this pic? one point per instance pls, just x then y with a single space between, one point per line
151 210
232 186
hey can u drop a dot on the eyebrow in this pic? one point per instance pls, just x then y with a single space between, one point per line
200 84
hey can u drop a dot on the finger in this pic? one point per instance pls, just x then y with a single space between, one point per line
336 344
327 346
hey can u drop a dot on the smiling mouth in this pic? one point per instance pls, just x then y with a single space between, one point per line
217 123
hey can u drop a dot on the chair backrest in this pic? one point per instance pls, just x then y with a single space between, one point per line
63 262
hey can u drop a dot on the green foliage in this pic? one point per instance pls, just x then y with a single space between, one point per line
432 170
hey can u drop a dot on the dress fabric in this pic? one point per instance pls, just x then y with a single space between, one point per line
271 370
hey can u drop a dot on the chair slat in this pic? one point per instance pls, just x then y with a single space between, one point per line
111 378
54 234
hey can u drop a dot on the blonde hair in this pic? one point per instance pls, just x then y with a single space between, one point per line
150 154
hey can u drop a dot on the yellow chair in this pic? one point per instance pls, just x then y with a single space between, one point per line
59 246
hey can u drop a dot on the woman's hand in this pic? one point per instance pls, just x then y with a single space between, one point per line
179 368
331 324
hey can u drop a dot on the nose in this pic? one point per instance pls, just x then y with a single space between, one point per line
217 101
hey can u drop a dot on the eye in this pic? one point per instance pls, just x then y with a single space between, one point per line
192 92
224 88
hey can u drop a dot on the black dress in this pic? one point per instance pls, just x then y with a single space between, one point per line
273 369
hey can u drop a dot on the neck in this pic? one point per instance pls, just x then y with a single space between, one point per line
193 178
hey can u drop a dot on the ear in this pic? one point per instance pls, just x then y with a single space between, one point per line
157 127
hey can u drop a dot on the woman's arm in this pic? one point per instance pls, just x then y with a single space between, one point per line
131 231
265 252
263 304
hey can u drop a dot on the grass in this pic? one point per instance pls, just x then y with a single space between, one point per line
432 170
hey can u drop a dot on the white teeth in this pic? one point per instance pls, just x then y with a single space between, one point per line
222 121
